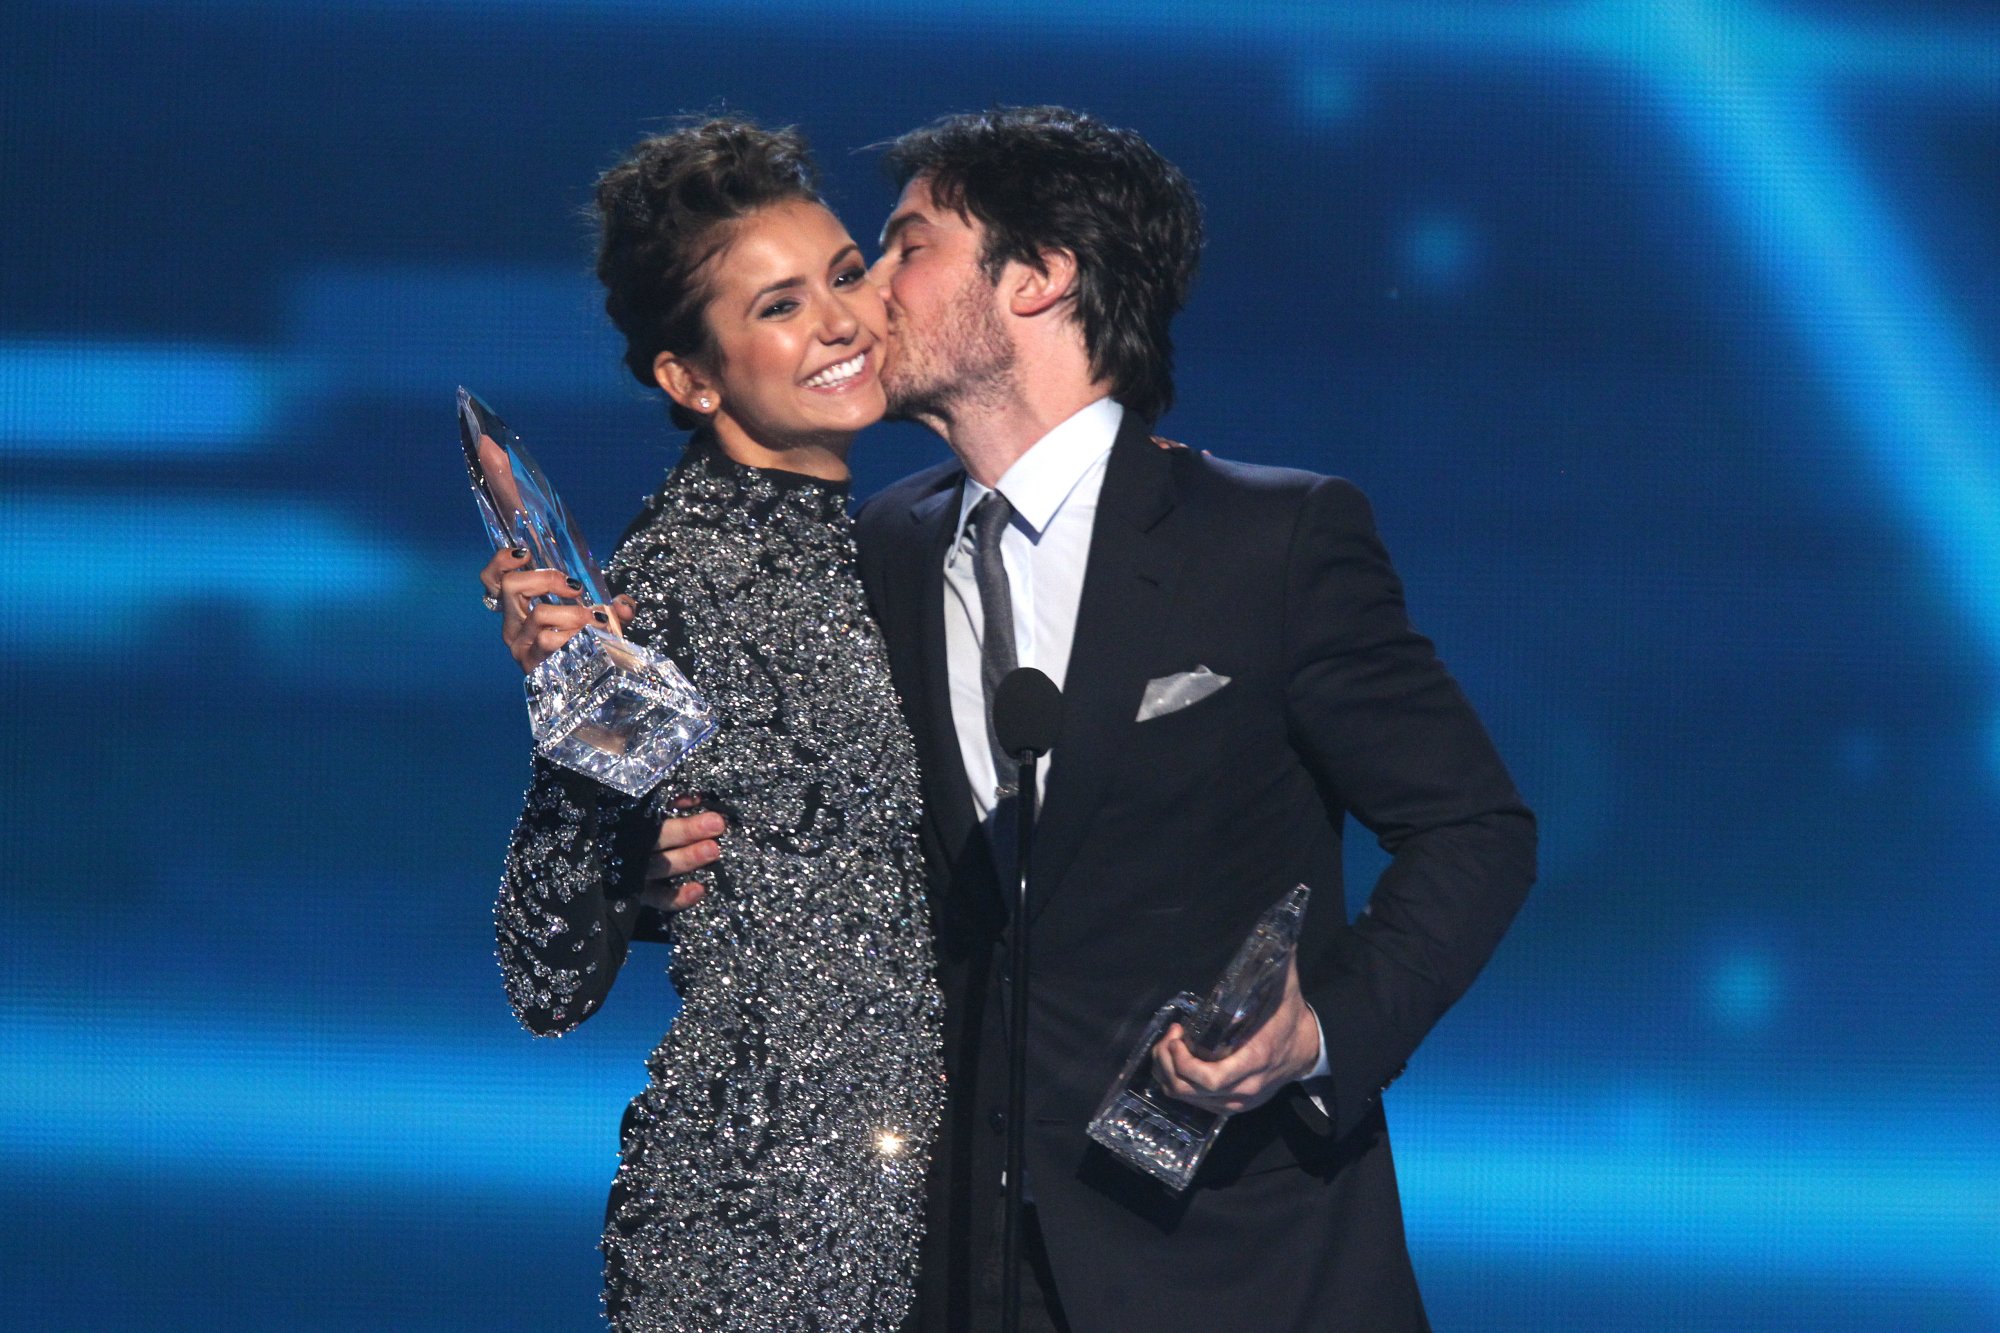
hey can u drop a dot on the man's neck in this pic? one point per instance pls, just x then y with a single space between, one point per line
991 437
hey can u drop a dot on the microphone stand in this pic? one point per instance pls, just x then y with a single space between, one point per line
1017 1049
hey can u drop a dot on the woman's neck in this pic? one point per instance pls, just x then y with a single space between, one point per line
824 457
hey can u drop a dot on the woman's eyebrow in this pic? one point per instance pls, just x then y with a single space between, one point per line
777 286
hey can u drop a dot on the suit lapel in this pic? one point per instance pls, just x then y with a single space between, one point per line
1126 587
947 793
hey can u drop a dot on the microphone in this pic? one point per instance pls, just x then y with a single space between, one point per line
1027 712
1027 717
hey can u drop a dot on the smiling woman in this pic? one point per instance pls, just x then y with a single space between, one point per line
792 367
771 1172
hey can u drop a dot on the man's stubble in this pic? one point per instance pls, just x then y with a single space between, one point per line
963 362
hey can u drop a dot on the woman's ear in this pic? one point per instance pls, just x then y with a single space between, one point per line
1039 288
685 383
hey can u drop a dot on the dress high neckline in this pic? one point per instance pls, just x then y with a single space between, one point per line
703 446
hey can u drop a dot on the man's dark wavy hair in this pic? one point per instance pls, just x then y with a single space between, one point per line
1042 178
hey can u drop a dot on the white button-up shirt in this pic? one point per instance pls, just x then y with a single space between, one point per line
1045 549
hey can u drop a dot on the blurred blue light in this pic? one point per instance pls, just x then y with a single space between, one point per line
1743 992
138 561
304 1103
1439 252
1859 755
1707 1184
405 332
1329 93
1667 1182
1958 60
124 399
1888 343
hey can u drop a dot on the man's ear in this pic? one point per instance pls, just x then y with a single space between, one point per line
1038 289
686 383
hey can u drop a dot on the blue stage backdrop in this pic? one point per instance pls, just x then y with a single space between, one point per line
1665 336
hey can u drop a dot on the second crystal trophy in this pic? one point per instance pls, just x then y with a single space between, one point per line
1152 1131
600 704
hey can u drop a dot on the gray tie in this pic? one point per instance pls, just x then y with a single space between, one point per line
996 602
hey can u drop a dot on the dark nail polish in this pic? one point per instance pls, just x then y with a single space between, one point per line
519 553
600 617
574 584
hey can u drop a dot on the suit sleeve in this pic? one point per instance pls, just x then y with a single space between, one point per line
1390 738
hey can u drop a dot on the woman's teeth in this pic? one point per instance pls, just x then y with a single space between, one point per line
838 373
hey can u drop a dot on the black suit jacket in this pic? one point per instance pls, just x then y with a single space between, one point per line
1158 845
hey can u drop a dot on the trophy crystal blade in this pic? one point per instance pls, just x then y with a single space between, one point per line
600 704
1152 1131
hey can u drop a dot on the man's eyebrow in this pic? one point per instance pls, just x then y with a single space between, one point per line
895 225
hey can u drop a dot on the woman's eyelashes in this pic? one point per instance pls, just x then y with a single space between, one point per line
785 305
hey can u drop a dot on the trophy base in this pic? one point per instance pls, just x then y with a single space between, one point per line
1140 1124
615 711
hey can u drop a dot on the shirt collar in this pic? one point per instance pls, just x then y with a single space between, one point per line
1042 478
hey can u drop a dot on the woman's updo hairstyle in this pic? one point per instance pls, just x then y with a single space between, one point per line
665 210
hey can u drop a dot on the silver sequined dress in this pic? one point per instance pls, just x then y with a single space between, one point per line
771 1173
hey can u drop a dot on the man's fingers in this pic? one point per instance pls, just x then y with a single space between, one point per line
682 860
1177 1070
1166 1067
673 897
1210 1076
1171 1060
687 830
1234 1083
686 842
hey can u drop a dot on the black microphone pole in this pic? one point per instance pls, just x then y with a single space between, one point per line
1027 715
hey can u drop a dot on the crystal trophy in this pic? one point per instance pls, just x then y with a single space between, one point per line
1151 1130
600 704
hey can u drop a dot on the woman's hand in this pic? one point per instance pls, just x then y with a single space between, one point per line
534 630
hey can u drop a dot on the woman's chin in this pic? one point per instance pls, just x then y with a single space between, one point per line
852 412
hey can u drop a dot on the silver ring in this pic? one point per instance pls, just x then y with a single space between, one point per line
492 601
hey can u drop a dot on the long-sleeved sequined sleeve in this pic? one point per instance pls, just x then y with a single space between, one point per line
567 907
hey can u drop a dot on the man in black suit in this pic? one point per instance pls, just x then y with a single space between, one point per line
1034 264
1238 676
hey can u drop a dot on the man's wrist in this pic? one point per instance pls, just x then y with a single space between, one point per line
1311 1047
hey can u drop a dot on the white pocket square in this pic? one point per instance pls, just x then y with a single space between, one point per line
1170 694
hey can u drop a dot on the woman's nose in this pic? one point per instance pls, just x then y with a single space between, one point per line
840 324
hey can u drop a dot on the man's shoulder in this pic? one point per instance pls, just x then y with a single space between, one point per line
901 496
1202 475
